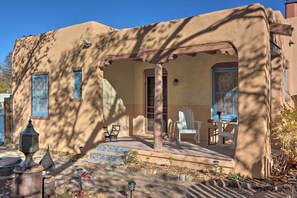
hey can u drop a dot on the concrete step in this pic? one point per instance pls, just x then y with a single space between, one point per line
109 154
114 149
106 158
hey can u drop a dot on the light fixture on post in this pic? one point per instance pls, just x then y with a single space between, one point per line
131 187
216 164
175 81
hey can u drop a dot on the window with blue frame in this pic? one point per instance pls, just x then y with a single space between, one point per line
225 93
77 84
40 95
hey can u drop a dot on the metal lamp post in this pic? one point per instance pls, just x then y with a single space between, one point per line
131 187
216 164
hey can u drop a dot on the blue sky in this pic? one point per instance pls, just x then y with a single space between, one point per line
23 17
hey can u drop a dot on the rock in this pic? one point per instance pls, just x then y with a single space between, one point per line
189 178
259 188
143 171
182 178
287 186
204 182
268 188
275 188
173 177
212 182
221 183
164 176
246 185
279 188
234 184
197 180
108 168
154 171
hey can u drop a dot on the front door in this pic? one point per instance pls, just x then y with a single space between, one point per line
150 99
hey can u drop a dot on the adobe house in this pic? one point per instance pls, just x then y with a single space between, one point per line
74 81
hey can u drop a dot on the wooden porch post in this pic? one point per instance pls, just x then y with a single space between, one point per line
158 106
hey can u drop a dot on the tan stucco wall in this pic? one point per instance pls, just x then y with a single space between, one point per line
72 124
251 39
291 52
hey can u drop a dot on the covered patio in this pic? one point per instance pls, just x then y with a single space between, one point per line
212 34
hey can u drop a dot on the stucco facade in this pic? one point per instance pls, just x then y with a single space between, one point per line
116 94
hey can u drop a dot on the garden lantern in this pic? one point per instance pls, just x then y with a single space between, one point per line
131 187
216 164
29 144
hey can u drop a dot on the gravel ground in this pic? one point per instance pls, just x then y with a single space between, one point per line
111 181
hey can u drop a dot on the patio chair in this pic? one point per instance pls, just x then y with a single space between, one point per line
113 134
229 131
186 124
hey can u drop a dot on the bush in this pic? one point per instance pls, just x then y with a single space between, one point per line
234 176
284 131
132 157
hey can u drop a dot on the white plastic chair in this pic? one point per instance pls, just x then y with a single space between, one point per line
186 124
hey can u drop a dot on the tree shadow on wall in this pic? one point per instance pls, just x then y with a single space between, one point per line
65 115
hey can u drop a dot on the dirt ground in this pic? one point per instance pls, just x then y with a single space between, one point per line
151 180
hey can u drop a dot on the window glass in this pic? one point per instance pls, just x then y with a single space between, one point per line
77 84
40 95
225 93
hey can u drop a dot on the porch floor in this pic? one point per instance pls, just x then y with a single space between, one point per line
220 152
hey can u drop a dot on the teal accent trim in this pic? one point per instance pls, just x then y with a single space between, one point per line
40 95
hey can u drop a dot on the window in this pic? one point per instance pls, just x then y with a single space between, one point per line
40 95
286 89
225 93
77 84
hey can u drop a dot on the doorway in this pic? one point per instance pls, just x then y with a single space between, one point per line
150 100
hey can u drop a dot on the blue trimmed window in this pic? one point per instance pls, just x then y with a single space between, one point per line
40 95
77 94
225 93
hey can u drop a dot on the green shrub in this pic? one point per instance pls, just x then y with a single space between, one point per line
170 159
132 157
236 176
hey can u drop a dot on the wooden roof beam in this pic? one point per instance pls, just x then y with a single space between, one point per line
281 29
